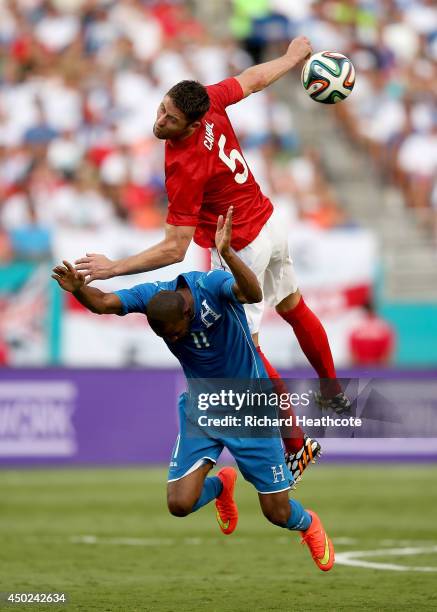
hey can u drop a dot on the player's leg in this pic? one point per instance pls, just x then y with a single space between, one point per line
261 462
312 338
281 291
189 488
290 514
277 508
314 342
193 491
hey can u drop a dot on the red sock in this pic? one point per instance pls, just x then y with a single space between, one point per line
292 438
313 340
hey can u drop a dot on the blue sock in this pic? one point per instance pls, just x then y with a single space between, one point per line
299 519
212 487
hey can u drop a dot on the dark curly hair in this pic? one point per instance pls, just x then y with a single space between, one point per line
191 98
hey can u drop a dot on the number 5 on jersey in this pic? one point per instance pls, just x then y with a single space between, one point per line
231 161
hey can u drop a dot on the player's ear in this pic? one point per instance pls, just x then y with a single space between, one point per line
196 124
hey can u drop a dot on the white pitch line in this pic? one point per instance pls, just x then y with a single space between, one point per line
407 550
91 539
344 540
125 541
194 541
354 558
394 543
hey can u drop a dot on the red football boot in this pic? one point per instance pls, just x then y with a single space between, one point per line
227 511
321 547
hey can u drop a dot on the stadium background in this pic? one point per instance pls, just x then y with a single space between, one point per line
80 171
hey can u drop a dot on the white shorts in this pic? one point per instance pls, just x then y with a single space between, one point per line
268 257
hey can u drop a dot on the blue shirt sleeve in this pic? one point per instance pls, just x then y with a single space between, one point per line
221 283
137 298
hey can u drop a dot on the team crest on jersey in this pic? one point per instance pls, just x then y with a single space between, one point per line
208 315
278 473
209 136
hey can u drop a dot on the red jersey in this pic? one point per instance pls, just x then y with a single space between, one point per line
206 173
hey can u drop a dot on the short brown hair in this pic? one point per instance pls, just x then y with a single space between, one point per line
191 98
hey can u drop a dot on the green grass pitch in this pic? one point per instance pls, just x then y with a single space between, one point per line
105 538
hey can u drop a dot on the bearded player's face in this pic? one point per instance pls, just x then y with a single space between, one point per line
170 121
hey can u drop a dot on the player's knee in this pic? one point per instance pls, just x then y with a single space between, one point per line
179 506
278 515
288 303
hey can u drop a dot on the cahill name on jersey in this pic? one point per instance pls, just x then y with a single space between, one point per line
206 173
219 344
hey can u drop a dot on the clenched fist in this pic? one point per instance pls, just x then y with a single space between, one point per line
299 48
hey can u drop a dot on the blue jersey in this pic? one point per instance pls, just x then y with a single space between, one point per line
219 343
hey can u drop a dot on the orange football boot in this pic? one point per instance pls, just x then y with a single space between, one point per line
227 511
321 547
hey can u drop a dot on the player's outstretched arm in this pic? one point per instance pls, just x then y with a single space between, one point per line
169 251
247 288
95 300
261 76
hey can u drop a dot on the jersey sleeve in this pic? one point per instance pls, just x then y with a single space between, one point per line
221 284
225 93
137 298
185 196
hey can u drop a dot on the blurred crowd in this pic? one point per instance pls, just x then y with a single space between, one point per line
80 82
392 113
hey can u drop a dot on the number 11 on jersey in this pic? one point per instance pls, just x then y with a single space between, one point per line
200 339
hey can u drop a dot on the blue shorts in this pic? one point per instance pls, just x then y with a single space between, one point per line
260 460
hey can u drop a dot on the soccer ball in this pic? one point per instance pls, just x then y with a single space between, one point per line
328 77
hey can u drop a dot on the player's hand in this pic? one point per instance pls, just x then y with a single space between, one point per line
95 267
68 278
300 49
224 232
